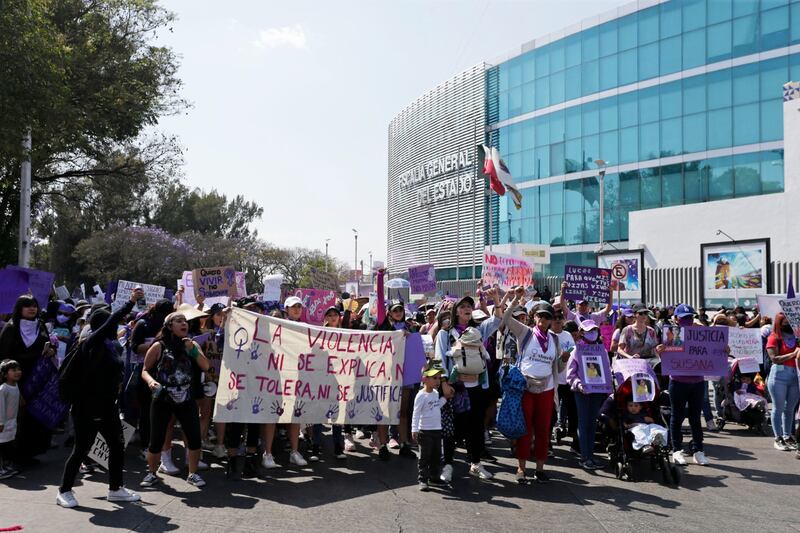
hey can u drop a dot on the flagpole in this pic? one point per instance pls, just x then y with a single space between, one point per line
489 196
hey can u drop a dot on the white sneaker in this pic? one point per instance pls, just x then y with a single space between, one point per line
360 434
349 445
149 480
267 461
196 480
487 438
373 441
123 495
479 471
296 459
678 459
710 425
219 451
700 458
447 473
393 444
167 466
66 499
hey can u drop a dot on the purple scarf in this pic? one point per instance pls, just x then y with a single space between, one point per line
542 337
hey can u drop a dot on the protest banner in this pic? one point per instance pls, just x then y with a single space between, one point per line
625 368
315 302
41 391
791 308
607 333
13 284
323 280
746 342
152 293
422 279
643 387
99 451
213 282
587 283
277 371
701 352
748 365
593 367
187 282
40 283
769 304
62 293
505 271
272 287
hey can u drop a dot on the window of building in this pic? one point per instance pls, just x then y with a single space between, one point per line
694 48
718 42
775 28
745 35
746 169
694 15
628 67
648 61
627 32
694 133
746 124
772 171
720 126
720 178
670 55
608 38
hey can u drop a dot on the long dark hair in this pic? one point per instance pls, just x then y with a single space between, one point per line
24 301
166 337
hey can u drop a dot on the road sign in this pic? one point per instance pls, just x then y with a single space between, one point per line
619 271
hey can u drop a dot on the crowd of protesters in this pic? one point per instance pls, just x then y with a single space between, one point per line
159 367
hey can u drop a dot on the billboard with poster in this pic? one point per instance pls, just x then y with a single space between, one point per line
734 272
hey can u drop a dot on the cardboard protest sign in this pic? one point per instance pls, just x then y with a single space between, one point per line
272 287
587 283
791 308
152 293
323 280
277 371
99 452
643 387
593 367
748 365
39 282
62 293
769 304
214 282
187 282
607 332
315 302
422 279
696 351
13 284
505 271
746 342
625 368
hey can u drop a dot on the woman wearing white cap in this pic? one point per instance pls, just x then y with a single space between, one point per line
293 307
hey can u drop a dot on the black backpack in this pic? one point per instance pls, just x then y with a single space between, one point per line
70 374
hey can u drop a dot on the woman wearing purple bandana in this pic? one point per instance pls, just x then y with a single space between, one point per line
686 391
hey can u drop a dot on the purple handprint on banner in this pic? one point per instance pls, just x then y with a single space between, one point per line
377 414
298 409
230 275
351 409
276 408
255 351
230 405
333 411
257 401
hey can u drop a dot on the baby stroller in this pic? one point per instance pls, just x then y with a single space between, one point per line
754 417
622 454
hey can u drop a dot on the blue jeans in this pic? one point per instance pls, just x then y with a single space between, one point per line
588 408
681 394
785 392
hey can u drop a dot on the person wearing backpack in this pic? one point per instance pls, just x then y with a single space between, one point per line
471 385
540 362
91 380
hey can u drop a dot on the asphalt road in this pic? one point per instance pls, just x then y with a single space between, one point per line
748 485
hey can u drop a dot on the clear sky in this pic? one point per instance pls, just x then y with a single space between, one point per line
292 99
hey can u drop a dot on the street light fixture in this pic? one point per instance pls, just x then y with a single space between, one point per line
601 165
327 266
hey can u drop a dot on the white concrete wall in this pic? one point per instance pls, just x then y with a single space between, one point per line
671 236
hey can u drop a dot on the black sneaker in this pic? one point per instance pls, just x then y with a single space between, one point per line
383 453
250 468
541 477
781 445
790 442
406 451
488 456
338 452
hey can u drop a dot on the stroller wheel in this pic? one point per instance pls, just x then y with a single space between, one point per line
666 471
765 428
676 474
720 423
627 471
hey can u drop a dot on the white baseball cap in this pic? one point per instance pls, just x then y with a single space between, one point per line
291 301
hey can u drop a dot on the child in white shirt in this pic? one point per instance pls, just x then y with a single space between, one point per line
10 374
426 427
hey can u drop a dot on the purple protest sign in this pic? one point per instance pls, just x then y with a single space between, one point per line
696 351
39 281
422 279
593 367
607 332
315 302
13 284
414 359
587 283
625 368
43 401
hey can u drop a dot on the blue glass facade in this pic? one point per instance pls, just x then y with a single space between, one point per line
691 112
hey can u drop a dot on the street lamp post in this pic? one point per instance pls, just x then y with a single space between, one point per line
370 267
327 265
601 164
355 260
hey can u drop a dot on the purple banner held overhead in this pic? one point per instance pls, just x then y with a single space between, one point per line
696 351
40 283
13 284
593 368
422 279
587 283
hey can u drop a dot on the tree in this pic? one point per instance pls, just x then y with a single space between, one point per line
85 78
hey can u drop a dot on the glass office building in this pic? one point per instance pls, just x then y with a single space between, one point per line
682 99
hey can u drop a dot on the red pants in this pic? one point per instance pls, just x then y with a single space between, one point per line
538 410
